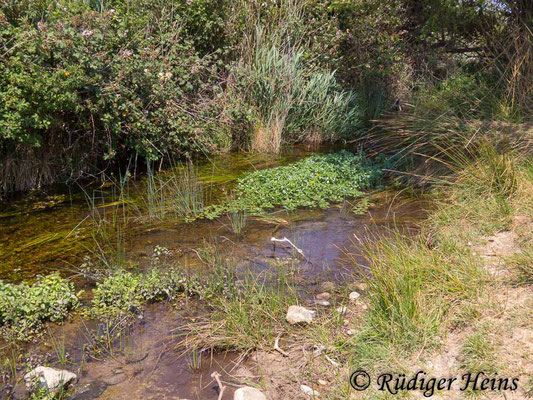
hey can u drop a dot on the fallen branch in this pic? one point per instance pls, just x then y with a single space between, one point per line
216 376
278 349
285 240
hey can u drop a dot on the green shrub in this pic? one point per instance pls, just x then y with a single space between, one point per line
23 307
128 78
463 94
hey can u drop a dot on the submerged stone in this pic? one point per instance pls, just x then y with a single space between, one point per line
49 378
323 296
354 296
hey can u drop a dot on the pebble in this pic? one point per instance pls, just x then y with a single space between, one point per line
297 314
354 296
248 393
309 391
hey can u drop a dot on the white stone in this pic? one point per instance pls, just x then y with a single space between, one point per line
322 382
324 303
354 296
341 310
248 393
50 378
309 391
297 314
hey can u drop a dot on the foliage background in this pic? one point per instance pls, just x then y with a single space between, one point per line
88 86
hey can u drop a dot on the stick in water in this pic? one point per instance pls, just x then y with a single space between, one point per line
216 376
285 240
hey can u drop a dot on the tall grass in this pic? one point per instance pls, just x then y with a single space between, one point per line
481 194
413 289
172 195
238 219
291 101
109 219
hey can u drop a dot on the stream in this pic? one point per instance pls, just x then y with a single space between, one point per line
46 232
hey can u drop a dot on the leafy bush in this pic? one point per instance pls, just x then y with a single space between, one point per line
23 307
463 95
313 182
83 87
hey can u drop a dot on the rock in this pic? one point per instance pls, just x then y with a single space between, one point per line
362 286
322 382
114 379
324 303
323 296
309 391
297 314
50 378
341 310
354 296
351 331
248 393
327 286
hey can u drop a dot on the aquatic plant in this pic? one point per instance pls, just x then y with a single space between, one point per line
316 181
237 219
124 292
177 194
24 308
291 100
247 317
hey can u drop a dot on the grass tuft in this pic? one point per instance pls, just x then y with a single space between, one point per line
413 289
246 316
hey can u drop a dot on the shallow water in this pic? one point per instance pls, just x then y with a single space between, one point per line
38 235
49 231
